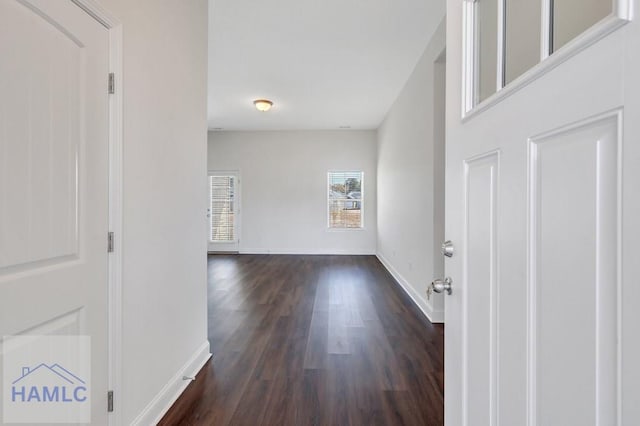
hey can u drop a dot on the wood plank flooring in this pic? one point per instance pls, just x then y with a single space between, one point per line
313 340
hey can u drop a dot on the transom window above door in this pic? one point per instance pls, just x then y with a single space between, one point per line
509 43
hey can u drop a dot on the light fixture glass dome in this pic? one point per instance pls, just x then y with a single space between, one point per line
263 105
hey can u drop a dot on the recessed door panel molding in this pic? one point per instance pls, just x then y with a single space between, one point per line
480 290
40 134
69 324
574 237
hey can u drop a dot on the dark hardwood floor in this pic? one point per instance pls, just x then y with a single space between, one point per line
313 340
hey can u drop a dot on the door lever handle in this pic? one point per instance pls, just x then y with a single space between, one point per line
439 285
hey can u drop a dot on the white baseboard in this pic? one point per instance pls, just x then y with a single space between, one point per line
420 302
310 251
159 406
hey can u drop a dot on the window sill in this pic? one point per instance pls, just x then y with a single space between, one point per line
345 229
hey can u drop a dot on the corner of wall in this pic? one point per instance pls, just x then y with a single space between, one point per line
168 395
406 141
435 316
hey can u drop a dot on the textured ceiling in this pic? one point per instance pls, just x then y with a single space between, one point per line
325 64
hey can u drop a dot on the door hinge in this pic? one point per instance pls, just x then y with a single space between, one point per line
110 402
110 242
112 83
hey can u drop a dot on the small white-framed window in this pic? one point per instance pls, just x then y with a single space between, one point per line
345 199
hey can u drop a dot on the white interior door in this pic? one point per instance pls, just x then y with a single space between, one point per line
543 208
54 186
224 211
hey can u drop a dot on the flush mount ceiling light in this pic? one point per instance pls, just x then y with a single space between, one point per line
263 105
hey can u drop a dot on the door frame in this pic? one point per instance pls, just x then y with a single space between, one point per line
114 281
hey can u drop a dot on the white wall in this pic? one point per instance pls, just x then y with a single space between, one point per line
410 190
164 246
283 179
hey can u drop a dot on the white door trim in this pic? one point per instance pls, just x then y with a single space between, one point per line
99 13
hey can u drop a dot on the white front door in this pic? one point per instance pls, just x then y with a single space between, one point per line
543 209
224 211
54 189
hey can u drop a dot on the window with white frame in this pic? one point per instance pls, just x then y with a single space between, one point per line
345 199
222 210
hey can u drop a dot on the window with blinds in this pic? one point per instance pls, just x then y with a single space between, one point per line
345 199
222 208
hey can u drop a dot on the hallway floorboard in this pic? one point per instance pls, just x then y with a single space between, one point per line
313 340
